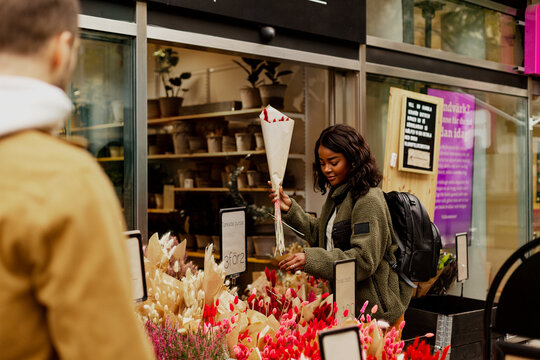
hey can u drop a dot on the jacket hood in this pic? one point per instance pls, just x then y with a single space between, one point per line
27 103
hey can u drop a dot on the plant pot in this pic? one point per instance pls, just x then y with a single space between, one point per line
273 95
264 245
252 178
228 144
214 143
203 241
251 98
242 181
183 175
168 106
243 141
181 143
153 109
259 141
196 144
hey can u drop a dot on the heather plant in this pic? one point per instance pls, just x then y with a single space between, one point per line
172 343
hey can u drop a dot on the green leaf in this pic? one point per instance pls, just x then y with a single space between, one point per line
283 73
242 66
176 81
185 75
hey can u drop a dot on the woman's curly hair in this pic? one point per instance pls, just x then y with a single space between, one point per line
363 173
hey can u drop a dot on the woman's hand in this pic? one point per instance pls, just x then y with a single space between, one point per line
285 201
294 262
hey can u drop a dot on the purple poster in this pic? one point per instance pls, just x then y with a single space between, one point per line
453 202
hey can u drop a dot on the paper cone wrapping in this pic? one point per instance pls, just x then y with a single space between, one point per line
277 132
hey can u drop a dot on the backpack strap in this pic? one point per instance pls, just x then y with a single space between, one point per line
395 267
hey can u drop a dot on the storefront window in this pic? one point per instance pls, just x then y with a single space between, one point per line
211 135
102 93
454 26
535 171
498 204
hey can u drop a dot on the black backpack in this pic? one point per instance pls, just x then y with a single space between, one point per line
418 238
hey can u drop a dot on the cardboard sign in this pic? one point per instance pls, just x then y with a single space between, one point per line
340 344
135 253
233 240
419 130
462 256
345 287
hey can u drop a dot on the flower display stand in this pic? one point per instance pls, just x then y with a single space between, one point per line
454 320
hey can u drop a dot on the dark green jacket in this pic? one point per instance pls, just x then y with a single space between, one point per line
362 230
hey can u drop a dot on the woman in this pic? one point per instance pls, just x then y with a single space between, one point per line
354 223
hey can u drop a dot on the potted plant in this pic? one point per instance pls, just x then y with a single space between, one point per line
274 93
250 94
167 59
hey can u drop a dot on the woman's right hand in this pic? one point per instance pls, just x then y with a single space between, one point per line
285 201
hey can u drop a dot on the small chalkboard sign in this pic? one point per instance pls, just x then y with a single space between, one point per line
345 287
136 262
462 256
340 344
419 138
233 249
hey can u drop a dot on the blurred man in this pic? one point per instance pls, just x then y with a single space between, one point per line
64 275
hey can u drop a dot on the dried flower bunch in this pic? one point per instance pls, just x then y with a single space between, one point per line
199 315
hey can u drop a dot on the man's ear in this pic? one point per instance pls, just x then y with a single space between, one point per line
62 63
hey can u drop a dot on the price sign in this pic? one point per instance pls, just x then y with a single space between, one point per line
135 253
233 240
345 287
340 344
462 256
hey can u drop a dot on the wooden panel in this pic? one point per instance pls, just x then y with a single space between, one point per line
421 185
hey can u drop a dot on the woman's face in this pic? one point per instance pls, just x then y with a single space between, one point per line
333 165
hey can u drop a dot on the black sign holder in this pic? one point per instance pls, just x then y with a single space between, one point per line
234 276
462 258
347 333
334 283
136 234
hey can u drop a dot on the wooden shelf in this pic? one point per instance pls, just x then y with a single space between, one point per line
224 189
206 154
244 114
162 211
110 159
200 254
97 127
200 155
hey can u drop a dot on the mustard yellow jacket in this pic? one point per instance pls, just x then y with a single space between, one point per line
64 276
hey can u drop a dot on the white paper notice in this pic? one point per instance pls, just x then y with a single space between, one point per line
340 344
233 240
345 285
277 132
137 283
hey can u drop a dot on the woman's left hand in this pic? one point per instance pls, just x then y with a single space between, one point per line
294 262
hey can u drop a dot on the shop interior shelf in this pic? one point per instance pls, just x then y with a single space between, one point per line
200 156
246 114
206 154
200 254
162 211
97 127
224 189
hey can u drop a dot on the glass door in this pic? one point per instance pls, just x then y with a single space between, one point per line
102 122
